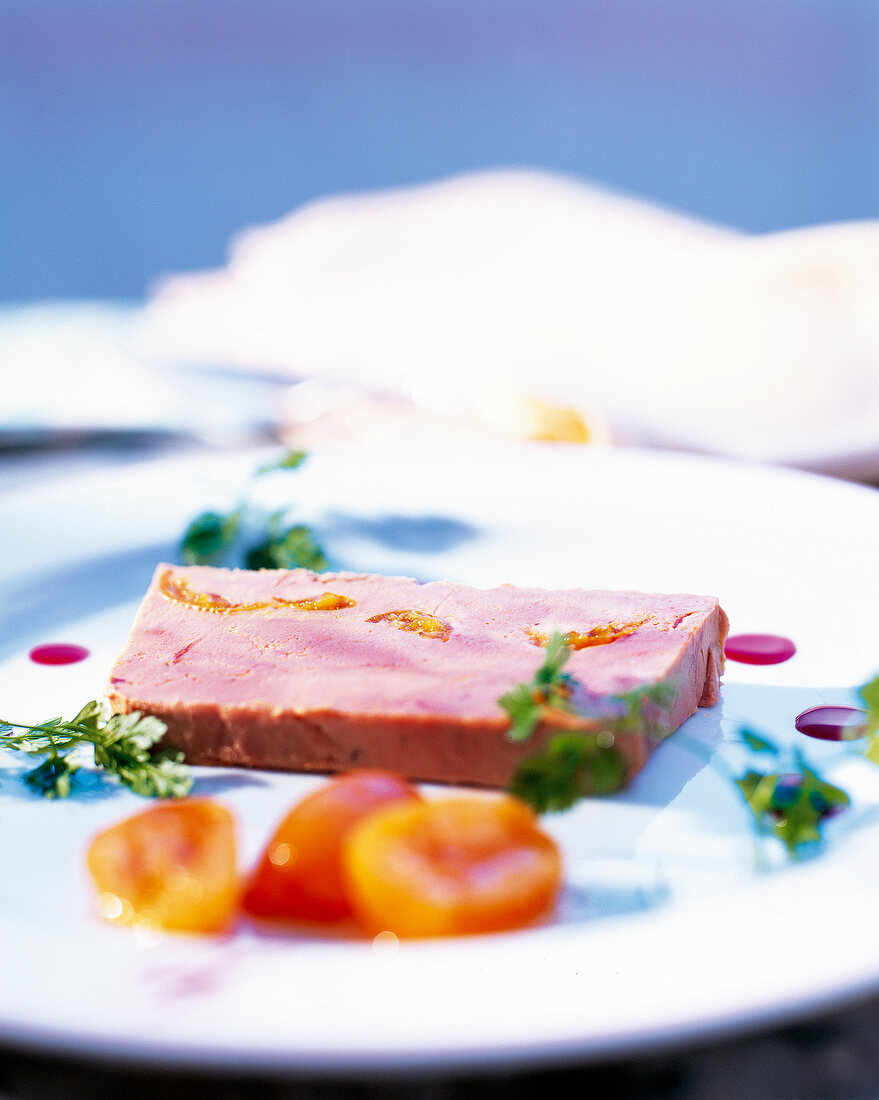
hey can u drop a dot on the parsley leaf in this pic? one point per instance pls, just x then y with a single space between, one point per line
122 745
523 709
577 764
292 460
550 688
870 695
52 778
757 741
571 767
292 548
209 538
788 804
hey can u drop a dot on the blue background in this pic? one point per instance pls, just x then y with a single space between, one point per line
136 137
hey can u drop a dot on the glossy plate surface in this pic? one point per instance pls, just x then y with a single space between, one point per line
668 928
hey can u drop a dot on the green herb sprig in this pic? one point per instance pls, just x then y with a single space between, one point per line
870 697
550 689
790 803
286 548
572 765
788 800
122 745
210 536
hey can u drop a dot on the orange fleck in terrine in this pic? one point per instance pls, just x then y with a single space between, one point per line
323 672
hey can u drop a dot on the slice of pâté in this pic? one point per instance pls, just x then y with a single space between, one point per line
322 672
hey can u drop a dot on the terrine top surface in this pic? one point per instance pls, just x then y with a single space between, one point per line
241 638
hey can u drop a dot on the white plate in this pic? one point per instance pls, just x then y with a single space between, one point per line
667 930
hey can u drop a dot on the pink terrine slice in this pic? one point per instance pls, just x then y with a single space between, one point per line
322 672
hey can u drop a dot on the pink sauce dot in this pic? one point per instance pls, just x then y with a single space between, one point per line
832 723
759 649
58 653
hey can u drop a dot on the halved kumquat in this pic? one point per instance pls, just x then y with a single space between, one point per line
173 866
300 874
451 867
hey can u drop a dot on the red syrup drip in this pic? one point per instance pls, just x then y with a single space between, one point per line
58 653
759 649
832 723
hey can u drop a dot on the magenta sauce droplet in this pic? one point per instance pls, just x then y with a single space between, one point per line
759 649
58 653
832 723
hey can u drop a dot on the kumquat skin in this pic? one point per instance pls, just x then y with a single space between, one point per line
453 866
171 867
300 875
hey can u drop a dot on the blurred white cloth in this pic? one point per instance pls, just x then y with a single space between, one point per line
70 370
61 365
474 291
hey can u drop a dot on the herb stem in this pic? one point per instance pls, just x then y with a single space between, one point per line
123 746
